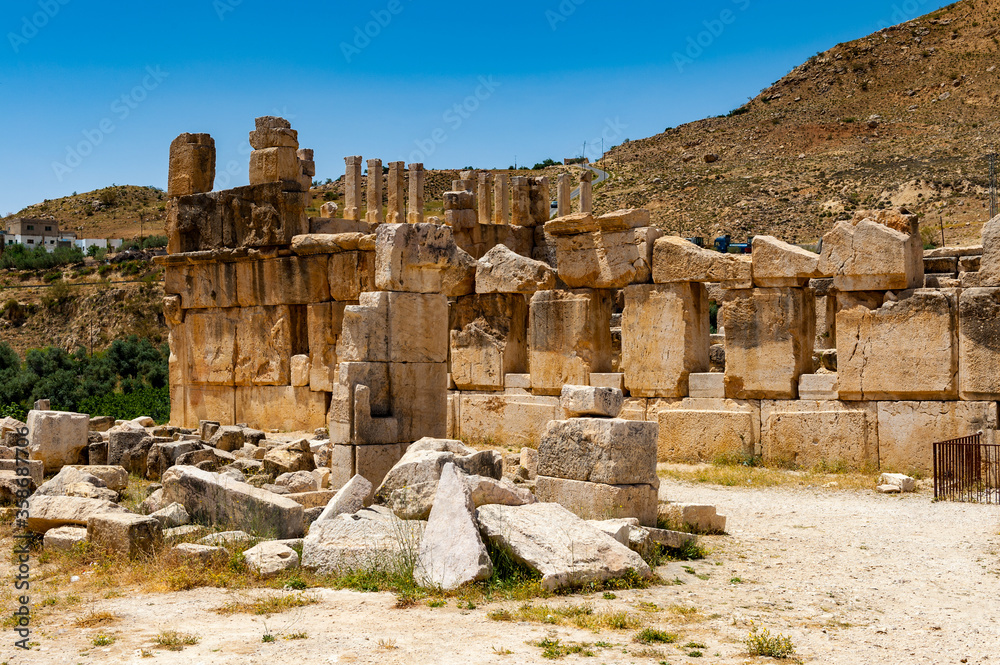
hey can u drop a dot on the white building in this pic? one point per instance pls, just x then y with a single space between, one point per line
37 232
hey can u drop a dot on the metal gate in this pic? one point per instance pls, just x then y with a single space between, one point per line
967 469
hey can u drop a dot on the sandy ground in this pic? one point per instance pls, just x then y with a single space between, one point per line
850 576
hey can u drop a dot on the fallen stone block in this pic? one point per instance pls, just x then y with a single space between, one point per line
373 539
203 554
609 451
270 558
452 552
125 533
569 337
898 481
185 532
422 258
868 256
49 512
594 501
588 401
64 538
502 270
172 516
485 491
777 263
562 547
114 477
212 499
348 500
299 481
697 518
56 437
315 499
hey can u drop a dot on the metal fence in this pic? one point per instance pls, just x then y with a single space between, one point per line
967 469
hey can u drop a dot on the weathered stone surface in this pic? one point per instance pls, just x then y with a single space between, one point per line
48 512
349 499
606 259
594 501
89 491
114 477
665 332
227 438
15 488
279 164
584 401
67 476
201 285
419 399
898 482
204 346
488 339
452 552
125 533
869 256
707 385
64 538
558 544
569 337
599 450
907 430
777 263
502 270
485 491
192 165
979 344
824 434
313 499
704 430
286 408
509 420
270 558
323 322
769 341
989 265
819 387
211 498
56 437
204 554
264 215
227 539
289 458
422 258
298 481
374 462
289 280
677 260
699 518
372 539
906 349
172 516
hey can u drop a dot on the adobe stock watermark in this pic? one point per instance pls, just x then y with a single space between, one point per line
454 118
562 12
223 7
31 25
903 12
714 28
364 35
22 539
121 108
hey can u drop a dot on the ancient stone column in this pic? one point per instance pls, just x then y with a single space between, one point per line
415 209
501 200
540 201
521 202
564 193
308 163
192 165
374 198
587 192
352 188
485 198
395 213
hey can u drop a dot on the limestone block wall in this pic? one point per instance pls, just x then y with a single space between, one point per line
386 328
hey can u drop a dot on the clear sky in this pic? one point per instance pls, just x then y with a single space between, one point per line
92 93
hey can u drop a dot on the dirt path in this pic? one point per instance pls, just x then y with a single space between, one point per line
850 576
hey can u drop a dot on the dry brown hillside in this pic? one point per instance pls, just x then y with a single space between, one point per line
905 117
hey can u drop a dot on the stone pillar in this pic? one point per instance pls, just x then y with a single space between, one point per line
275 157
521 204
540 201
308 164
485 198
587 192
501 200
564 193
374 198
192 165
415 211
466 183
352 188
396 213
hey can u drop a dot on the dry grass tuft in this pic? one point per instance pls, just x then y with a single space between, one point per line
735 475
92 619
267 605
581 616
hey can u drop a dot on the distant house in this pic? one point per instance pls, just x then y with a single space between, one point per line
32 233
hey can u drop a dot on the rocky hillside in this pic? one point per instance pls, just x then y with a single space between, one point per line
119 211
905 116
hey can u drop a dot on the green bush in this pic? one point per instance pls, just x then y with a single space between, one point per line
19 257
131 376
759 642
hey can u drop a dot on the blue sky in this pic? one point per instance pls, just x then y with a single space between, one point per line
92 93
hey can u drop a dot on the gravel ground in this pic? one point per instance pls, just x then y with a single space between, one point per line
849 576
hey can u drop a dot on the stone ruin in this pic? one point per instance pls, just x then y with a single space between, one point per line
586 337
